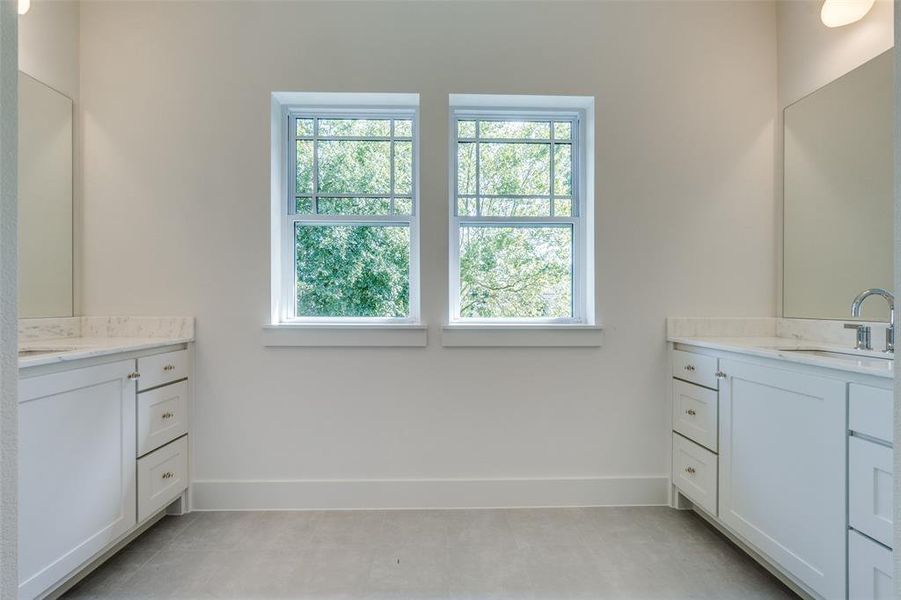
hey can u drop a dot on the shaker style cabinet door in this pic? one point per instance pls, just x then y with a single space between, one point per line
782 468
77 490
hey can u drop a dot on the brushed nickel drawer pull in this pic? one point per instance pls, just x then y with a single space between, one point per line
690 412
134 375
690 470
689 367
721 375
168 475
167 415
169 368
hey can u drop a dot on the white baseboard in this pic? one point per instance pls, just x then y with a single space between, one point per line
428 493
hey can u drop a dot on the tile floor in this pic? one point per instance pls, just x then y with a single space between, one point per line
522 554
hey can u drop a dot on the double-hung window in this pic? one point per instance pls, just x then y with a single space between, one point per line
518 225
349 222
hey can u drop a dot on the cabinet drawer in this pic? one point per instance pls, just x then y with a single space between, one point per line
696 368
870 484
162 476
869 569
870 411
162 416
694 472
162 368
695 413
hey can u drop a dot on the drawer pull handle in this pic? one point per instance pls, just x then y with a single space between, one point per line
690 412
169 368
167 415
168 475
721 375
689 367
134 375
690 470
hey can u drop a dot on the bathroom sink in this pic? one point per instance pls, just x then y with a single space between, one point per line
23 352
839 355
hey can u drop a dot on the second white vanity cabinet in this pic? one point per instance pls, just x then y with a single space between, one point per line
796 464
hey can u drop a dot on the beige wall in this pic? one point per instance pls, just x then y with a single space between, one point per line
9 373
811 54
176 221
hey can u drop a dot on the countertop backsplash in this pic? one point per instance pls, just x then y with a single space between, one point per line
132 327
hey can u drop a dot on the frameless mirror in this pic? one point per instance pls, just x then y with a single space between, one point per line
837 238
45 200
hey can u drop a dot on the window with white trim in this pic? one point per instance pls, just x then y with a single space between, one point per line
349 222
518 230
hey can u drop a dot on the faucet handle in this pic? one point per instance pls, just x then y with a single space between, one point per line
863 336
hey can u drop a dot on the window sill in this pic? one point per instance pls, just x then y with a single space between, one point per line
341 336
522 335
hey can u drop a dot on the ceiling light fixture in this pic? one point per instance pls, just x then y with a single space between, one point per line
24 5
837 13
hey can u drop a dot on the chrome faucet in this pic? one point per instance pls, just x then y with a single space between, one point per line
890 298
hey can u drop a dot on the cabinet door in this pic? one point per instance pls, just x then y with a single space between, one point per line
782 469
77 491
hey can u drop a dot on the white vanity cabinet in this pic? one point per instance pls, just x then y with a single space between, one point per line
77 479
792 460
99 456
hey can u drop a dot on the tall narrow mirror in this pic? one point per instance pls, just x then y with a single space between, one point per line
838 195
45 200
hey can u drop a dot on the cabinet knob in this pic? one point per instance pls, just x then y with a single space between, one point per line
169 368
690 412
134 375
689 367
167 415
168 475
721 375
690 470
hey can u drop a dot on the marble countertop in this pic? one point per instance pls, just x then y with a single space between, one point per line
77 348
779 348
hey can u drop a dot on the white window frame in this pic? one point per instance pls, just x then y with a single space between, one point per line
577 110
286 108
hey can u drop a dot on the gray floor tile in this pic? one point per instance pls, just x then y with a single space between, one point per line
546 526
488 572
409 572
522 554
415 528
330 570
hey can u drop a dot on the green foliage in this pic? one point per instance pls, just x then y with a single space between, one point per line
508 272
352 271
354 167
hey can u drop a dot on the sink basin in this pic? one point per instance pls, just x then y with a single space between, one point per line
23 352
839 355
